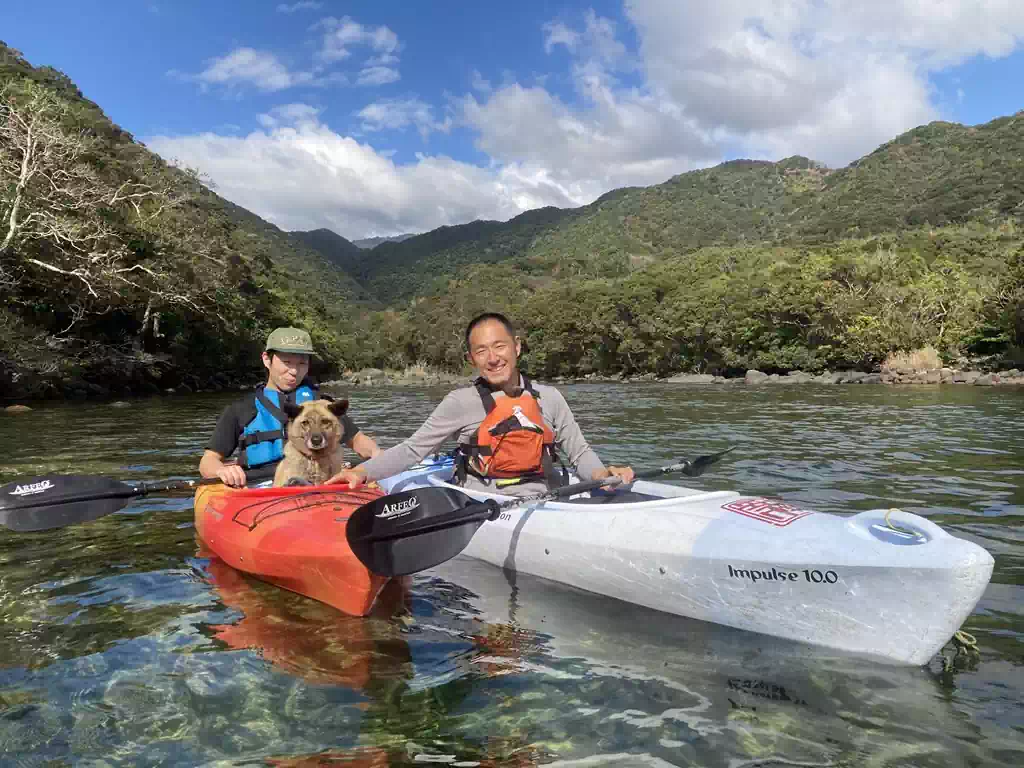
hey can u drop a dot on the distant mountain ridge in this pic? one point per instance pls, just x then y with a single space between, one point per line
373 242
937 174
340 252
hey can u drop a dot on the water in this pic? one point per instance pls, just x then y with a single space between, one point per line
121 646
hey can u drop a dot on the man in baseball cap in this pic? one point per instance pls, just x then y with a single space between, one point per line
255 425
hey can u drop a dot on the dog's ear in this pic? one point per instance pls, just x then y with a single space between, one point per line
338 407
291 410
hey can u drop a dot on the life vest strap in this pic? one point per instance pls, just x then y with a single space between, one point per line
269 404
488 398
260 437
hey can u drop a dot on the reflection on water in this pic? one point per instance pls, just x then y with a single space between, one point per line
122 644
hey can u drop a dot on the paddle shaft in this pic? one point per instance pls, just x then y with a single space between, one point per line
490 509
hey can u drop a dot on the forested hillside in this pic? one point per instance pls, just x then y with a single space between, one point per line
123 273
399 271
336 249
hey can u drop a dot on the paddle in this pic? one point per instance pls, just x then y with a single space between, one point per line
55 501
411 531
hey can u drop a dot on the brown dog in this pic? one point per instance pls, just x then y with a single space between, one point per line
313 449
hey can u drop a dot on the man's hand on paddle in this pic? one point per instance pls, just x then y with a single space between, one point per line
233 475
626 473
212 465
354 477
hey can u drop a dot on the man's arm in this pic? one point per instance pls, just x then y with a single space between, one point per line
222 444
364 445
446 420
212 465
574 445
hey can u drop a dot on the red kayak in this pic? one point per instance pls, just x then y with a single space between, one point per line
293 537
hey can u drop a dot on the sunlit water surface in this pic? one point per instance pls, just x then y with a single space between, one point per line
121 646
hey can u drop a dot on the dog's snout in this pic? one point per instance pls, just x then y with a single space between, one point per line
316 440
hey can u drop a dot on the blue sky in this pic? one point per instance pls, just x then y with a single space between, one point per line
382 117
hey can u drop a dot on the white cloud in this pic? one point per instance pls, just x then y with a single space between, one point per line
596 46
341 35
296 114
384 60
300 174
614 137
823 78
827 79
266 71
557 33
399 114
250 66
616 142
377 76
302 5
479 83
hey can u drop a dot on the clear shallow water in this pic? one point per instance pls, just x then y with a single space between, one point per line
121 646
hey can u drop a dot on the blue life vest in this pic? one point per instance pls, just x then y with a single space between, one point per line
262 440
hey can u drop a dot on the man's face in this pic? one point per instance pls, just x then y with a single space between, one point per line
286 369
494 353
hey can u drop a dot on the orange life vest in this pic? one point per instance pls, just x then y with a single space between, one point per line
512 443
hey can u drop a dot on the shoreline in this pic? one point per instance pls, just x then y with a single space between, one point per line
83 391
897 376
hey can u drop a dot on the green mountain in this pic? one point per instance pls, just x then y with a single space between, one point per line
779 266
342 253
373 242
935 175
398 272
123 273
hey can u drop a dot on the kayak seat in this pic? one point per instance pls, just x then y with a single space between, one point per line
621 497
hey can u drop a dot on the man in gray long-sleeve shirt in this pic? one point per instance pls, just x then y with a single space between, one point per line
494 351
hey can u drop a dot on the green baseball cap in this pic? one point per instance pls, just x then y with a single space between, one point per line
293 340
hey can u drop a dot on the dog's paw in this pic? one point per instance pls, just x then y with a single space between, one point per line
297 481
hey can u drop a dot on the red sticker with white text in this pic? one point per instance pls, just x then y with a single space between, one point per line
776 513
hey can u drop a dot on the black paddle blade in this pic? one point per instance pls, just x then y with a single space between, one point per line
380 534
54 501
701 463
48 518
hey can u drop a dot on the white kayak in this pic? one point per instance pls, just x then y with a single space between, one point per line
894 588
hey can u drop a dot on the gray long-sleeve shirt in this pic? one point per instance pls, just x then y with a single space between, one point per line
459 415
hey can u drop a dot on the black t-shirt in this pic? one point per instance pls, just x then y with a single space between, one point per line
234 419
